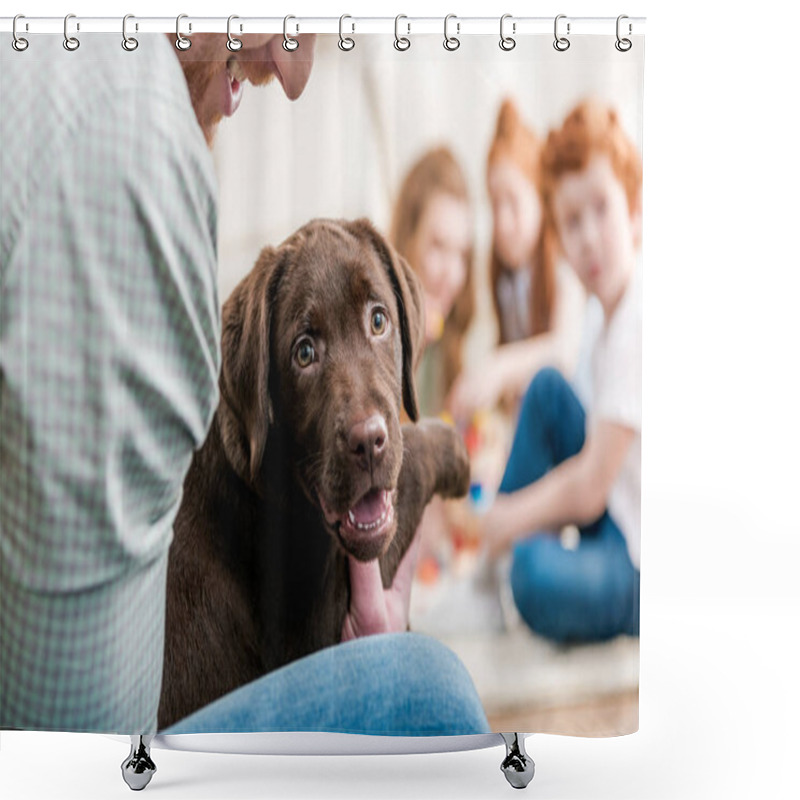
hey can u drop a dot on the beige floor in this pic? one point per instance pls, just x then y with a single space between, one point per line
609 715
527 683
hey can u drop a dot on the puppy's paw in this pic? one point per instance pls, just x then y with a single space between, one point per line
451 459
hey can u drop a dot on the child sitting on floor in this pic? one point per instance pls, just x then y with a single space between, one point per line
538 303
565 469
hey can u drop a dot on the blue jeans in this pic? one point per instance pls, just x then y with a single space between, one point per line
397 684
587 594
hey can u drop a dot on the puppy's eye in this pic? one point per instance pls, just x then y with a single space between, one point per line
305 353
378 321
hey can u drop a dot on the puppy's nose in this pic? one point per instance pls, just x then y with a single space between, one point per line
367 440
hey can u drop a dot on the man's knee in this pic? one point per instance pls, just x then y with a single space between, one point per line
435 678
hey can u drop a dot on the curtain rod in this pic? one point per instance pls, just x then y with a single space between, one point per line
407 25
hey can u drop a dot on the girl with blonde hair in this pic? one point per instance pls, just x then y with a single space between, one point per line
432 229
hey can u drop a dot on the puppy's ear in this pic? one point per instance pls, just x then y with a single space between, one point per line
408 292
245 410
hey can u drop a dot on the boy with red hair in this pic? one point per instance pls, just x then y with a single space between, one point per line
566 467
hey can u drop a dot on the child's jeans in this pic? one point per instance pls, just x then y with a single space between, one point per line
586 594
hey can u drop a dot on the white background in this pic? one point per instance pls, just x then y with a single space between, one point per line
720 604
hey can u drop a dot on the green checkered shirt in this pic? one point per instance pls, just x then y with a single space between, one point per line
109 357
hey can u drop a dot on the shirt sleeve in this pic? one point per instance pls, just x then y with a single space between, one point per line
618 369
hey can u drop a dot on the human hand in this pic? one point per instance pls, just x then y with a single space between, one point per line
498 527
374 609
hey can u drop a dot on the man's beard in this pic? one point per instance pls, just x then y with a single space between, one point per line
199 75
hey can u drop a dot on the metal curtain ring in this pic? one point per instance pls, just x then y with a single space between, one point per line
181 42
233 44
401 43
71 43
290 44
18 43
507 42
561 43
346 42
129 43
623 45
451 43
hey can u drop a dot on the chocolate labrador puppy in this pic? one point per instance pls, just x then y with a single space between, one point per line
306 462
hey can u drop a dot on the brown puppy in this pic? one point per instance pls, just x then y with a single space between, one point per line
306 462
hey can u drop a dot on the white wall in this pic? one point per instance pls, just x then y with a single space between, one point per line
344 146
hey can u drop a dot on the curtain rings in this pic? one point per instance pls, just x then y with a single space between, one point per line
18 42
346 43
233 44
451 43
71 43
561 43
401 43
623 45
507 42
129 43
181 42
290 44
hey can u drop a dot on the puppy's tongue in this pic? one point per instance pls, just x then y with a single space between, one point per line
371 507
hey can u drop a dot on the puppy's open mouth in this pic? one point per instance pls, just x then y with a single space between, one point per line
366 524
372 514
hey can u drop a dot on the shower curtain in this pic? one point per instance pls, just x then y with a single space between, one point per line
326 416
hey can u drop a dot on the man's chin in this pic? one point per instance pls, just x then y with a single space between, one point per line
259 73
